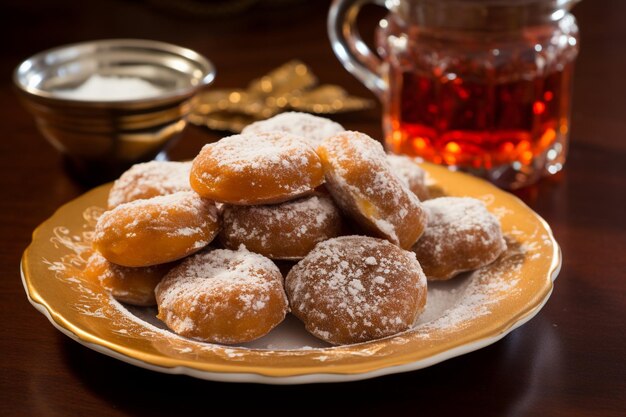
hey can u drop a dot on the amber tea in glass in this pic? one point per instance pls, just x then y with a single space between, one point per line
480 85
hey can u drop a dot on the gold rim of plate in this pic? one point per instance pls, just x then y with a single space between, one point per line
85 312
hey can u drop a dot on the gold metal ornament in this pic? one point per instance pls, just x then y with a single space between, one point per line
292 86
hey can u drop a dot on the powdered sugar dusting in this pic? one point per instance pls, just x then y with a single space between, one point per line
275 165
341 297
370 260
461 217
152 214
408 170
150 179
361 181
156 230
205 284
130 285
269 152
312 128
472 295
281 231
461 235
445 312
210 270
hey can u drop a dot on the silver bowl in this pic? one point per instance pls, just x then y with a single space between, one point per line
105 137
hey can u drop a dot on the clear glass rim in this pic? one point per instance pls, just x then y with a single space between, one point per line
480 15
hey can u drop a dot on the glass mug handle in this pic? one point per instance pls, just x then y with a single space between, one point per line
346 41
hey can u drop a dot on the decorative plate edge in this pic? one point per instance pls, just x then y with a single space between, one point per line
304 378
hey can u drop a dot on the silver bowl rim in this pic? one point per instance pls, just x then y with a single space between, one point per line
178 93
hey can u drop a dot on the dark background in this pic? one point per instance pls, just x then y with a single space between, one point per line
568 361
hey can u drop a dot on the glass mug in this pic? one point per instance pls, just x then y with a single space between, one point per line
479 85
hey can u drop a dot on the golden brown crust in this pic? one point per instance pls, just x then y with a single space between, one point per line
361 182
461 236
353 289
263 168
223 296
408 170
129 285
282 231
150 179
156 230
311 128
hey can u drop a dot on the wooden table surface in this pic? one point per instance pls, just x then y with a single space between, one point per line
568 361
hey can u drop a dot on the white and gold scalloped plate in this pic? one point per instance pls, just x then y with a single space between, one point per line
462 315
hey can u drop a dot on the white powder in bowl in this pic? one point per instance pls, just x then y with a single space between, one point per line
101 88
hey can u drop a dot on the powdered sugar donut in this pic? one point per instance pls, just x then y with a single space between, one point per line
360 180
256 169
354 288
156 230
312 128
223 296
282 231
129 285
150 179
461 236
407 169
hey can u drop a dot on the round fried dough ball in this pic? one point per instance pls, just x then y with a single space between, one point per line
129 285
263 168
150 179
156 230
223 296
353 289
360 180
407 169
282 231
461 236
312 128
